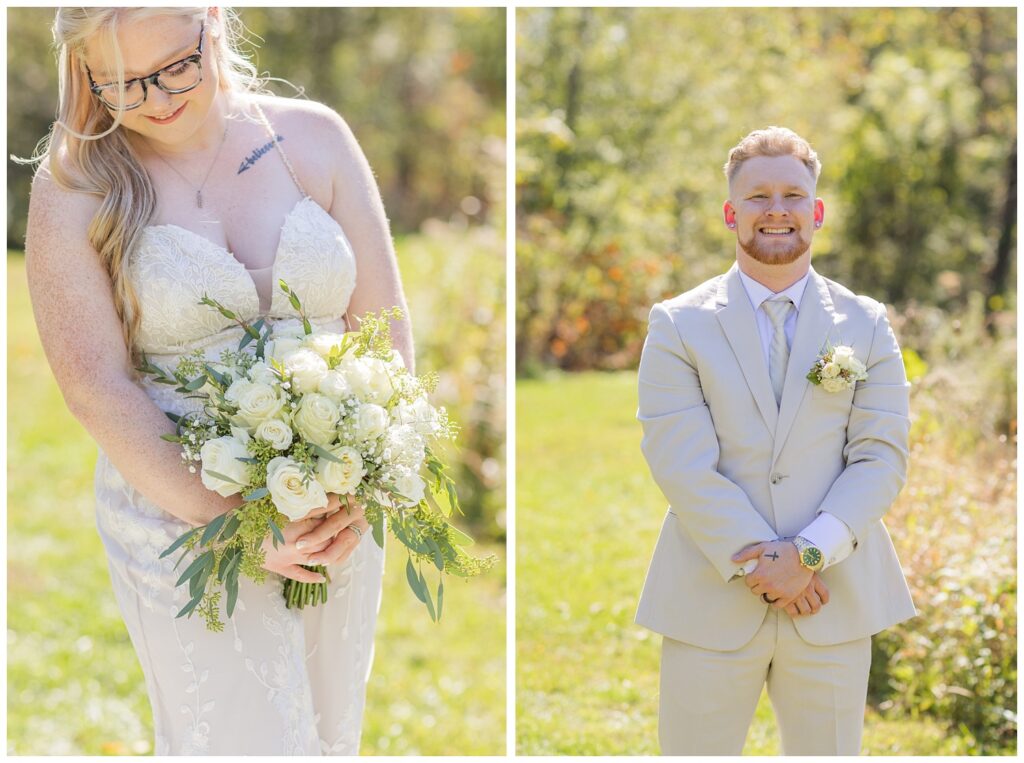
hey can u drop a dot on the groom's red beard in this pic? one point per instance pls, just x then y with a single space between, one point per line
775 252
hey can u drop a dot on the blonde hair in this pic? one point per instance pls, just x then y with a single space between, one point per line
86 152
772 141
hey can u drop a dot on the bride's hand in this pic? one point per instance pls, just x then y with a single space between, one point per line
334 540
286 559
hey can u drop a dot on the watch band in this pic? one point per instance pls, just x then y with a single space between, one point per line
810 555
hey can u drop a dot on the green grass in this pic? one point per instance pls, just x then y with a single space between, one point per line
588 514
74 683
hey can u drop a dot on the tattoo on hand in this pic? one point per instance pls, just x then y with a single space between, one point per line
773 556
252 158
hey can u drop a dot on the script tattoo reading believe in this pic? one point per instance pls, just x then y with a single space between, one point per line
252 158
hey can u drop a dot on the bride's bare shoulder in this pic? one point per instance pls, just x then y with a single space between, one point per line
311 118
323 138
57 212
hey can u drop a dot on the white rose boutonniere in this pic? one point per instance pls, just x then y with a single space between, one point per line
837 369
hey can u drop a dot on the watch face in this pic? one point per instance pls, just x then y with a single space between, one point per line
811 557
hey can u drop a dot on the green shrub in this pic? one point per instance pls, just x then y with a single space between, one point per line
954 526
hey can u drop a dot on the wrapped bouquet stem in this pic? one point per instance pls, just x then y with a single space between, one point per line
292 416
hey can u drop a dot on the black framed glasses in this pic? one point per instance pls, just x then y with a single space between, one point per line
179 77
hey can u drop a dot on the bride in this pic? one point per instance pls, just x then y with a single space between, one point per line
169 175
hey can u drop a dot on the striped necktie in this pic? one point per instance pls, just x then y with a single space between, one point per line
778 309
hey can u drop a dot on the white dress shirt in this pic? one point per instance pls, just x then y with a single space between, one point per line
829 533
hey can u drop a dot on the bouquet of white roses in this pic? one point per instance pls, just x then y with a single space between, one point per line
295 414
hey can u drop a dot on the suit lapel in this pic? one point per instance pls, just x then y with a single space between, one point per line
815 325
737 319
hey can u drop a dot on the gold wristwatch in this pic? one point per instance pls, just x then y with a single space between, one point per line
810 555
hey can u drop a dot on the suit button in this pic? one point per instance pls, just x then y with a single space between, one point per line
776 478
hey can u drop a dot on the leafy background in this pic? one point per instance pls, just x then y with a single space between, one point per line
424 92
624 119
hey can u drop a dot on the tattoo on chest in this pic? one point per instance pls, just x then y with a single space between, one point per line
254 157
773 556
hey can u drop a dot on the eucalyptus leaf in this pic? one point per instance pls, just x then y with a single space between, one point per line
188 608
170 437
231 527
172 416
212 529
323 452
458 537
427 600
193 569
414 580
256 494
226 562
278 536
435 550
378 530
178 543
224 477
214 374
440 597
232 588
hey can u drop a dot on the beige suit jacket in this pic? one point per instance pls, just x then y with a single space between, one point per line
737 469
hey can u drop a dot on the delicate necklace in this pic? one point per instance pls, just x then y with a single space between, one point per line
199 190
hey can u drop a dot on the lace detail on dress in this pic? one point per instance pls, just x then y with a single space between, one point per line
316 260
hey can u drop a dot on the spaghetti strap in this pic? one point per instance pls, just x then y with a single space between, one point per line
277 145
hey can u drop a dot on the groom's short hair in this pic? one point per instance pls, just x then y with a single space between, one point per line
772 141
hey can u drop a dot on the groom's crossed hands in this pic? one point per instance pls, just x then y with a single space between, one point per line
780 575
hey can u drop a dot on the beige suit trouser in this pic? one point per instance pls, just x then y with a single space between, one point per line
708 698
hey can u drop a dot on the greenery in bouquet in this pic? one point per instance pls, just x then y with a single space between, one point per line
292 415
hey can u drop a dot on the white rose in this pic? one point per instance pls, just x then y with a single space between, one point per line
834 385
261 373
369 378
335 386
420 414
292 495
830 371
842 355
341 478
411 487
280 346
306 369
370 422
256 402
276 432
397 363
858 369
322 342
221 455
404 446
316 418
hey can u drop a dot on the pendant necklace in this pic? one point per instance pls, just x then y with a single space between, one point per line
199 190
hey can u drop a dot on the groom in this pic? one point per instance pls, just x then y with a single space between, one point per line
773 565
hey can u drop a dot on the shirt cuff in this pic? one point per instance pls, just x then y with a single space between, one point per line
832 536
748 566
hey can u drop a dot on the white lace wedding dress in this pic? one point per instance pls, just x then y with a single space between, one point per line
275 681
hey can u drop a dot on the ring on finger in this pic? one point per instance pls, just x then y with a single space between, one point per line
357 531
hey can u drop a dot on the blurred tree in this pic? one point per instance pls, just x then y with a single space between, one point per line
625 117
423 90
